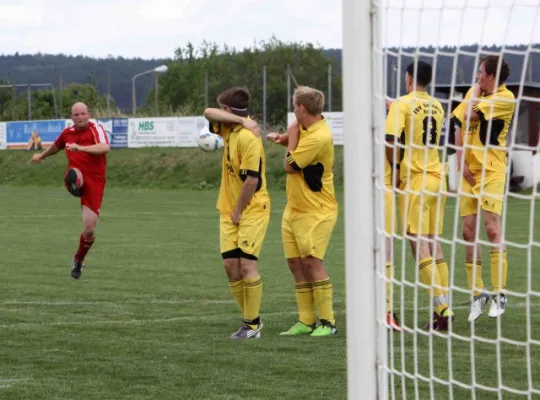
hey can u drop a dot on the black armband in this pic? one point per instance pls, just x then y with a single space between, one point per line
293 163
313 176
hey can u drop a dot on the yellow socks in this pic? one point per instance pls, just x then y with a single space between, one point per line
389 276
472 271
322 294
305 303
498 282
426 272
442 267
252 301
237 290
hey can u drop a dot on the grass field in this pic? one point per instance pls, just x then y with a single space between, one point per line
151 315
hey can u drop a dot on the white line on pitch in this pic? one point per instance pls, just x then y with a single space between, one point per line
209 302
8 382
132 321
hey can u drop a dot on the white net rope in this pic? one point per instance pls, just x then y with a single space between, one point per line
493 356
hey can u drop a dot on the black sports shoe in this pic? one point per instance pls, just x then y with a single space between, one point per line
76 269
70 181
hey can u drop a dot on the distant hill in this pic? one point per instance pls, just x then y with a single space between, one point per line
47 68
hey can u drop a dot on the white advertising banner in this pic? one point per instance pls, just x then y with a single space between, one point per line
153 132
3 135
335 122
189 129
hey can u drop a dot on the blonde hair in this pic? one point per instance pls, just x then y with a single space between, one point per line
311 99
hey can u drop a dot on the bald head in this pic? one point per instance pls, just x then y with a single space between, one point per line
80 115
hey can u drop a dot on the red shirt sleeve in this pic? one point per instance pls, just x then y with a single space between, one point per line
60 141
100 136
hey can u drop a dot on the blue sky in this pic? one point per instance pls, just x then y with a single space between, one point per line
154 28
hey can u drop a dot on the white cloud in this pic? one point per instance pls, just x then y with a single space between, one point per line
444 22
155 28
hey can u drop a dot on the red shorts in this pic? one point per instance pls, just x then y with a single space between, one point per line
92 194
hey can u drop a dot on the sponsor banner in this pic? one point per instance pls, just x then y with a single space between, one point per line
117 131
189 129
18 133
335 122
152 132
3 138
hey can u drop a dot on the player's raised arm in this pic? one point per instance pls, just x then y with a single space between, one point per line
458 118
234 110
226 117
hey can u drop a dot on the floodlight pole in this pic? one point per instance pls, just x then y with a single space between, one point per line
157 70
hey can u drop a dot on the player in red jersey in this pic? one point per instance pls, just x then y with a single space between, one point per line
86 145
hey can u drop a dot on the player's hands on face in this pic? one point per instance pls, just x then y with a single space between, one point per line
252 126
236 216
467 174
73 147
36 159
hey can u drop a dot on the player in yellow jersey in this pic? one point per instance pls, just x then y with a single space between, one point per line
482 123
311 211
416 120
243 203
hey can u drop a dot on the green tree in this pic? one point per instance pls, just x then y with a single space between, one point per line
47 105
183 86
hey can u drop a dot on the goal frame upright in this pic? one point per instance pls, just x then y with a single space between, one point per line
364 249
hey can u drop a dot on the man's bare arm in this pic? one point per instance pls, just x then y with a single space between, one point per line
49 151
248 190
459 146
218 115
278 138
96 149
470 114
391 148
293 136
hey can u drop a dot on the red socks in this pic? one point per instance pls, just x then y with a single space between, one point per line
84 245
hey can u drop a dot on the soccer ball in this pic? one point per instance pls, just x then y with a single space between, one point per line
209 141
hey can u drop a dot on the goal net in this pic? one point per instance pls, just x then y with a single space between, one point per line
459 317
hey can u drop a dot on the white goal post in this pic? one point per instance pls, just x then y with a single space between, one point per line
494 356
360 254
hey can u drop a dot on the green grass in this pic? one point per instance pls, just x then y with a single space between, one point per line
151 315
149 168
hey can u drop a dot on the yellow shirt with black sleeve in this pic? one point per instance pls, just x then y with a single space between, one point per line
489 133
313 159
243 155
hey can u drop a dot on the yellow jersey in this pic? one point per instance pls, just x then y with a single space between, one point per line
416 120
313 160
489 133
243 155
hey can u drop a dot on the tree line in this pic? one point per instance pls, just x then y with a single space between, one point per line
196 75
